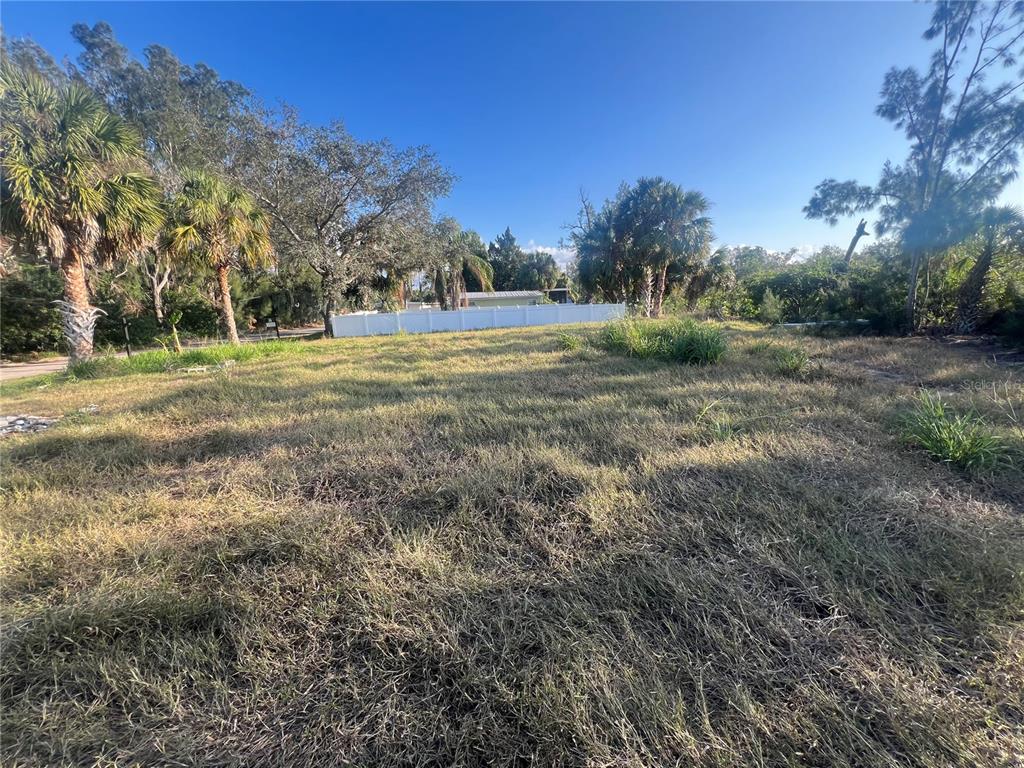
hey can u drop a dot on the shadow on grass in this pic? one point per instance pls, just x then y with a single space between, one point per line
500 567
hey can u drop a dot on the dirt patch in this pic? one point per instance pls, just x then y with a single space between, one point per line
994 352
878 373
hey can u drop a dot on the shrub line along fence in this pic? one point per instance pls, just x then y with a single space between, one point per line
473 319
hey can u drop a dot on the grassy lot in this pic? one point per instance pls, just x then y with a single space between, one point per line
510 548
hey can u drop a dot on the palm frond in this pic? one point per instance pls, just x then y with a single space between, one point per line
217 223
62 157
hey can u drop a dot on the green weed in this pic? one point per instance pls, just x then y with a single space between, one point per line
572 342
961 439
792 361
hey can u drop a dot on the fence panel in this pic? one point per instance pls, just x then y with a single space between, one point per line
477 318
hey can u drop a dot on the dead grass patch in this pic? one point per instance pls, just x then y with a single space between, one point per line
480 549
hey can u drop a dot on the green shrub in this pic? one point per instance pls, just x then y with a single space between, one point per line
29 318
699 345
95 368
770 311
959 439
678 340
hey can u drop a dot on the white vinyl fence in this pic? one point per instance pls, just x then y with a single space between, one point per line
428 321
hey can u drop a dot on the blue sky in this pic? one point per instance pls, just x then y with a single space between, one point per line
751 103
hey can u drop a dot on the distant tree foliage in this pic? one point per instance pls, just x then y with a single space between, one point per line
506 259
29 319
964 134
140 187
452 255
518 270
538 272
650 236
770 311
335 199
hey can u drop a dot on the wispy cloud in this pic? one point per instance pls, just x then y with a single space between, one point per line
561 254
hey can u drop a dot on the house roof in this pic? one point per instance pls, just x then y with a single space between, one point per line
471 295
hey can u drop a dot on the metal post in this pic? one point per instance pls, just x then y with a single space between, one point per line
127 338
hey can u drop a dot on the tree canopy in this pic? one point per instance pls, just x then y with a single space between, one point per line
964 136
650 236
72 186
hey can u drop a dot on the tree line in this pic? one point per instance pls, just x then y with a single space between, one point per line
949 257
153 190
156 190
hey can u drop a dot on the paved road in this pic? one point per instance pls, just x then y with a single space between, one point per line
12 371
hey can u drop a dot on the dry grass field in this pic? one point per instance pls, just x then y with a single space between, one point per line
508 548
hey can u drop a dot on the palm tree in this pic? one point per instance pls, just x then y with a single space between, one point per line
660 225
453 258
1001 230
219 225
666 225
72 187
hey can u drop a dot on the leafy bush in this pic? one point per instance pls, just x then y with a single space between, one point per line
1008 317
28 317
770 311
678 340
959 439
825 287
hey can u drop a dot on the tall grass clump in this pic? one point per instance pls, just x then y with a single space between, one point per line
678 340
792 361
960 439
572 342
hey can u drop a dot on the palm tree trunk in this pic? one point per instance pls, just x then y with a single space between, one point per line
646 289
968 303
227 313
440 289
455 287
659 290
78 315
